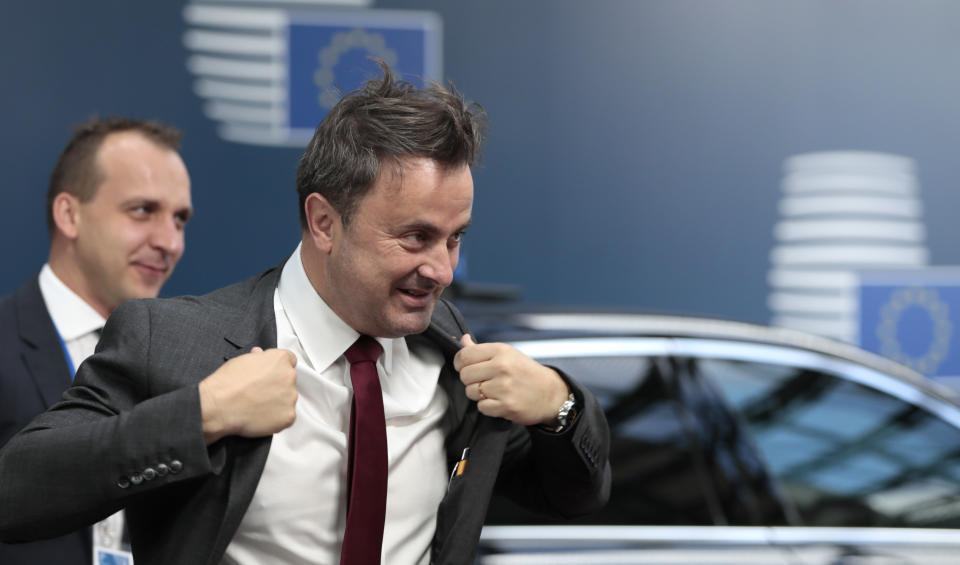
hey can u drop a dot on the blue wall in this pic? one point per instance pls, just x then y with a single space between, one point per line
635 150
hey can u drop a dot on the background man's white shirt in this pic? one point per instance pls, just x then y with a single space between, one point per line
75 320
78 325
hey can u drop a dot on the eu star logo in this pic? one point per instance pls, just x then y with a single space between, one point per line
269 71
913 316
912 313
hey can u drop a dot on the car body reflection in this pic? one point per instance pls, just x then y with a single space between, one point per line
734 443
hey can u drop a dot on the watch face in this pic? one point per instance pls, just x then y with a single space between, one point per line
563 415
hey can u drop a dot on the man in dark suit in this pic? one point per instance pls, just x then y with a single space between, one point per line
118 198
228 424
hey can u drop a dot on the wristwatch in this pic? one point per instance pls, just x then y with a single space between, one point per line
566 415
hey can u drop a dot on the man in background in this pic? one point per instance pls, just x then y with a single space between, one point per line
117 203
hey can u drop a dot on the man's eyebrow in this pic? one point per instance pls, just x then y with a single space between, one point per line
140 201
431 229
153 202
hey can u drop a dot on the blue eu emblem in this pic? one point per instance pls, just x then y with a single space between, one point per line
913 317
269 74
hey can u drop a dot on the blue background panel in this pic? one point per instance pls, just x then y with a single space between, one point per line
352 68
635 152
915 322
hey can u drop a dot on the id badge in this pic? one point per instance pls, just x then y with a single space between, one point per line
106 556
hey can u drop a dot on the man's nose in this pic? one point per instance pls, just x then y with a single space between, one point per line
168 236
439 265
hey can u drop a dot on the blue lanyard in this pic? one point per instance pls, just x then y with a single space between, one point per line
66 355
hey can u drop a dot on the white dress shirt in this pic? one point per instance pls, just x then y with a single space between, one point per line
75 320
298 512
78 325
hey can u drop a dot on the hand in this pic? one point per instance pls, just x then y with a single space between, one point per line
252 395
508 384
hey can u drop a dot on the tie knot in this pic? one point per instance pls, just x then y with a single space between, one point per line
364 349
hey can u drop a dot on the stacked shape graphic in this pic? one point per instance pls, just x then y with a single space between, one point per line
267 71
840 212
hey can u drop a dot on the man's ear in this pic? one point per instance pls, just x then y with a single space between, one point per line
323 222
66 214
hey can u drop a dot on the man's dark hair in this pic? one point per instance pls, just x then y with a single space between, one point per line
76 169
377 127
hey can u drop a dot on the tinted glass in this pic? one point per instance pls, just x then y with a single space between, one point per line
677 454
845 454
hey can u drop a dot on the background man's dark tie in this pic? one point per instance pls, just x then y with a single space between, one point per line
367 467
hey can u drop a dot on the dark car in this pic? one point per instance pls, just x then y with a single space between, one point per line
738 444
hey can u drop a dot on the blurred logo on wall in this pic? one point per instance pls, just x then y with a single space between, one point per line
841 212
913 316
269 71
851 261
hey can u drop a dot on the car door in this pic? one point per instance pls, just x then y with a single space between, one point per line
869 463
687 488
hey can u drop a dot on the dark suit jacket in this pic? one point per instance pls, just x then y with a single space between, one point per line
33 375
129 433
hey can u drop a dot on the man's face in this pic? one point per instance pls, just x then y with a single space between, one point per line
129 236
386 269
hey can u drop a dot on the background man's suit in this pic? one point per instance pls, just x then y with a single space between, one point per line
33 376
152 355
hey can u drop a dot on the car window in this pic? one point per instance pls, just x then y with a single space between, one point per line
677 455
845 454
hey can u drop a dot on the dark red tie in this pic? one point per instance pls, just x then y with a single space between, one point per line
367 466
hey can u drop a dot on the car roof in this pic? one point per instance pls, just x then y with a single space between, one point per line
514 324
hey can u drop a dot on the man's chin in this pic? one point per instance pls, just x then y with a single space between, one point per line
143 291
410 323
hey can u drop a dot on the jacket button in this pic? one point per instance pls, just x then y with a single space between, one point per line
136 478
123 482
162 469
149 473
176 466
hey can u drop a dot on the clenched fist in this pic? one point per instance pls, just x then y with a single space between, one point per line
508 384
252 395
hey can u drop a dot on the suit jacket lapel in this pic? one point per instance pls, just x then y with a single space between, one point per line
445 332
463 508
42 352
253 324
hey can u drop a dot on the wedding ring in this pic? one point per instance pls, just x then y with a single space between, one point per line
480 390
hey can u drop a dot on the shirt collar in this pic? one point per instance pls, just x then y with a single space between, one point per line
323 335
71 315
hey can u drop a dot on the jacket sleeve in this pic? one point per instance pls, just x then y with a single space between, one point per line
566 473
118 432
